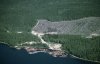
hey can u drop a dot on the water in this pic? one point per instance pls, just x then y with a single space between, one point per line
10 55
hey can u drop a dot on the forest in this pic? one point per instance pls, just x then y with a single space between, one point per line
14 39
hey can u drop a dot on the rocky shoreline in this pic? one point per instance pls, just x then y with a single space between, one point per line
54 53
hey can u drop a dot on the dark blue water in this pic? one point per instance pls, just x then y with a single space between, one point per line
10 55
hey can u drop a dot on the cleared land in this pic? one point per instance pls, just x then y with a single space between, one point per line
84 26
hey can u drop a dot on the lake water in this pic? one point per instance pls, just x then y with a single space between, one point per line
10 55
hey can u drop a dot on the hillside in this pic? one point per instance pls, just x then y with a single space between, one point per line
84 26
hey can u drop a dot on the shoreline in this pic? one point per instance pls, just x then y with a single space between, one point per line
63 55
73 56
34 52
54 53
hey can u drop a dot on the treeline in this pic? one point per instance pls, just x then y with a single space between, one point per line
25 26
77 45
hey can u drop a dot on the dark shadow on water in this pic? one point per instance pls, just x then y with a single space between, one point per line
10 55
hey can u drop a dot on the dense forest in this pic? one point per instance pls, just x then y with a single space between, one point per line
87 48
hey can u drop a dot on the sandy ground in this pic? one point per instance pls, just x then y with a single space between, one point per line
51 46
